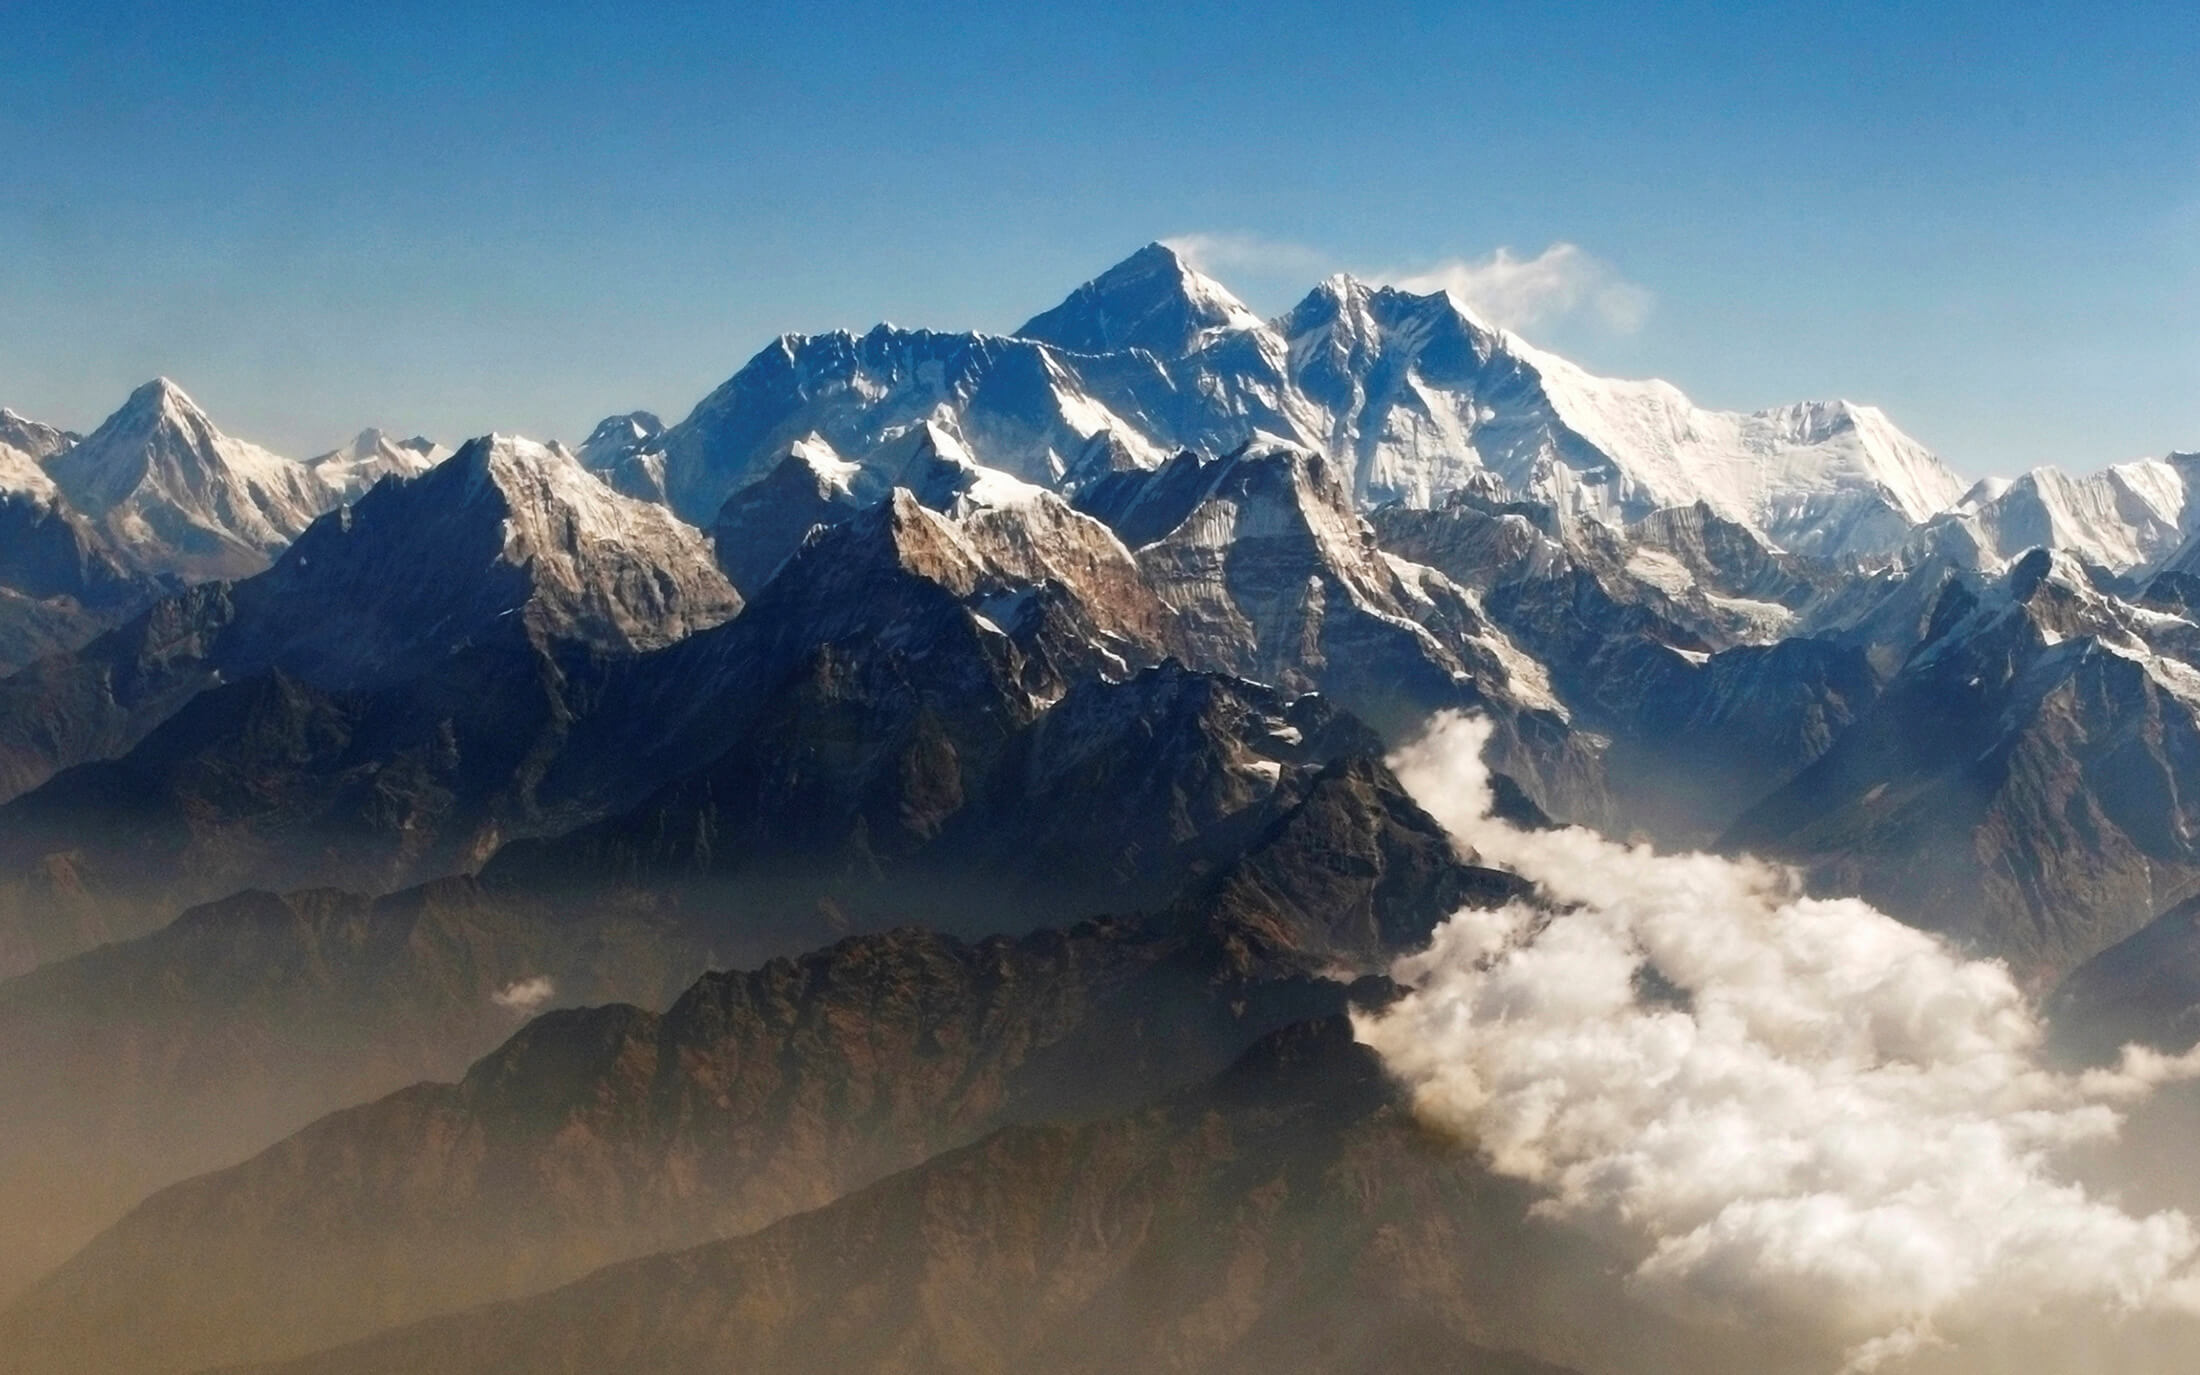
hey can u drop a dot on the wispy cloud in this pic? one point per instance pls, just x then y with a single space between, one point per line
525 995
1521 293
1563 282
1221 254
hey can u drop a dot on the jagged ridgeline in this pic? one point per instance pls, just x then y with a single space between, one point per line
879 873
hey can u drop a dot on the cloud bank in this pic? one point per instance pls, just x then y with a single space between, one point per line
1797 1111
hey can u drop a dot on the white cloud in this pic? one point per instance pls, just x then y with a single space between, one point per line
1562 282
1221 254
1802 1112
1521 293
525 995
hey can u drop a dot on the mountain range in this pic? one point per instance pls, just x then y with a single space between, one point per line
884 871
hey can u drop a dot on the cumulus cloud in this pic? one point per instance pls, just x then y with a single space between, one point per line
525 995
1521 293
1796 1110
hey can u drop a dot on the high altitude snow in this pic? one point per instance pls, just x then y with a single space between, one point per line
351 471
177 493
1411 395
2123 517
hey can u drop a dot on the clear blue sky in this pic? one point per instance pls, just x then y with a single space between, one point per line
452 218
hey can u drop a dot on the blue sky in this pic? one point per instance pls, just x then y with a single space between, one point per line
453 218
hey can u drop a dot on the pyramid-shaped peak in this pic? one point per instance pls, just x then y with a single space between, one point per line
160 389
492 454
161 396
373 442
180 495
1355 308
1153 300
1343 286
156 408
927 439
622 429
373 438
1337 298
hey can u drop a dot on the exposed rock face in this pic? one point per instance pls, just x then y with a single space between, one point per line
1262 826
272 781
764 523
48 552
99 701
537 552
61 579
931 635
25 446
940 797
1020 408
1254 564
1284 1216
360 724
1083 647
144 1062
1717 583
1705 709
1158 1195
1274 577
61 583
1424 398
1729 581
598 1134
2145 989
2020 785
548 551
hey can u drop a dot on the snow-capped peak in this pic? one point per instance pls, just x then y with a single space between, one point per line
180 496
616 436
33 439
162 395
2124 517
25 446
593 565
1343 310
1817 477
1409 395
1153 300
371 456
931 462
832 472
627 451
506 543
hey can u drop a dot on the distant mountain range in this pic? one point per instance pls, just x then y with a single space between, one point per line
912 834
